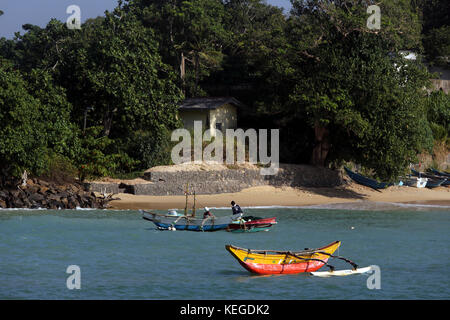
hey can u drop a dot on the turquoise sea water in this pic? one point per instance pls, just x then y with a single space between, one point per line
122 256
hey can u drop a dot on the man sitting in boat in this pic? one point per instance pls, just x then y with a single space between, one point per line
235 207
207 213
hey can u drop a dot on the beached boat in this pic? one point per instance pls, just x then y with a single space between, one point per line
252 224
415 182
440 173
434 181
371 183
286 262
416 173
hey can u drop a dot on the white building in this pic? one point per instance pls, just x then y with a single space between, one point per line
214 112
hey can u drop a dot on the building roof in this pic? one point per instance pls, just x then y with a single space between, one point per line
209 102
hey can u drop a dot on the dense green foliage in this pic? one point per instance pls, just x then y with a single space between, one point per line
192 32
115 82
34 121
436 30
438 106
364 101
103 99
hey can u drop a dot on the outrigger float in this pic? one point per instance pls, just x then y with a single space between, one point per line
175 221
267 262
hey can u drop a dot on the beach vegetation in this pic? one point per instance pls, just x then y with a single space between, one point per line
103 100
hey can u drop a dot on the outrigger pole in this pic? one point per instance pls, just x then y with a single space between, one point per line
312 259
354 265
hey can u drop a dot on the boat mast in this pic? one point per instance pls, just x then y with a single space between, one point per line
193 208
186 193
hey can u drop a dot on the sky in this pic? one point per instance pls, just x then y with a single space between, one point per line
39 12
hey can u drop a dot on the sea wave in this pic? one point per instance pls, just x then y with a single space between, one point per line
42 209
22 209
372 205
357 205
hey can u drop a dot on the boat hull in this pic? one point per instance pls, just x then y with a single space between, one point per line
282 262
189 223
360 179
440 173
256 225
433 180
192 227
417 182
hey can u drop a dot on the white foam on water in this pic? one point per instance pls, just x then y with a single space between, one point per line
372 205
84 209
421 205
357 205
261 207
22 209
45 209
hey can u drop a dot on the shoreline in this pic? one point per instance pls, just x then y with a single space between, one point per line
269 196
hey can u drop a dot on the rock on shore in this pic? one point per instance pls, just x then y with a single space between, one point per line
41 194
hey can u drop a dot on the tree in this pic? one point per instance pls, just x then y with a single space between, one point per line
113 65
353 88
34 121
436 30
60 132
254 50
37 48
438 113
189 32
437 44
435 14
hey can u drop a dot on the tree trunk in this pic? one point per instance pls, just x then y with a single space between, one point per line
183 72
197 70
107 122
322 145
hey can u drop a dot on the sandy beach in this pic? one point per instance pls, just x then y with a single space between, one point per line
287 196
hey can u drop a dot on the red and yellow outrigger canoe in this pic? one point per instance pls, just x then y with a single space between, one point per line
283 262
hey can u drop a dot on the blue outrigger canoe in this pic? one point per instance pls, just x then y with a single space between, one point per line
440 173
366 181
189 223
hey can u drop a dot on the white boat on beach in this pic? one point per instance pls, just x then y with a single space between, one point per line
416 182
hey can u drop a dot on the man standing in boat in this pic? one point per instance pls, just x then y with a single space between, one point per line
207 213
235 207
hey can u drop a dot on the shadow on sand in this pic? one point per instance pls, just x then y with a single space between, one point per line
337 192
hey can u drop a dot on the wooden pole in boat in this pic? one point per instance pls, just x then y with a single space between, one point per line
193 208
186 192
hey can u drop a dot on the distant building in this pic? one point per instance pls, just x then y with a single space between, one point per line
443 80
214 112
408 55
